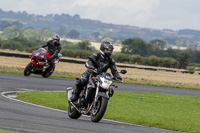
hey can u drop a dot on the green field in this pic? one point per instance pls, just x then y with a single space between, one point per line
172 112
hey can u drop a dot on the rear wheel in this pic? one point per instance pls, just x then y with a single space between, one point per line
28 69
99 109
72 112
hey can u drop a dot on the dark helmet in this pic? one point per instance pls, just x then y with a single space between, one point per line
106 45
56 37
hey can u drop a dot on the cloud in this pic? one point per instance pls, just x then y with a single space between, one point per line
117 11
182 14
175 14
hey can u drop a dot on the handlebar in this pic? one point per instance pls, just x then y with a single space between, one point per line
96 72
117 80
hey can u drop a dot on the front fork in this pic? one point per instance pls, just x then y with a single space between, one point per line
100 94
34 65
97 90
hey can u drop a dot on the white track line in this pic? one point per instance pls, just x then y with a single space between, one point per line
4 95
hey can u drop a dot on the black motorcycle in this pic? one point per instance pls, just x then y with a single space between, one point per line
93 99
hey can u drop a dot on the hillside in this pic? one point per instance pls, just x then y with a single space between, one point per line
63 23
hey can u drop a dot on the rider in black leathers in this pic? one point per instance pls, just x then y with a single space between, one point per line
54 47
97 63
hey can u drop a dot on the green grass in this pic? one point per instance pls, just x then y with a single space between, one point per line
163 85
173 112
5 131
56 100
10 71
53 75
129 82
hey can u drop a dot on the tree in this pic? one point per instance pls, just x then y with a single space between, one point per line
20 44
118 42
156 47
73 34
30 34
84 45
183 59
12 44
11 32
157 44
134 46
170 53
44 34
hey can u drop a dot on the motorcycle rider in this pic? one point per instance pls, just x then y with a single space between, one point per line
97 63
54 48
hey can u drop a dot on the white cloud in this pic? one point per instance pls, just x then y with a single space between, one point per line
174 14
120 11
115 11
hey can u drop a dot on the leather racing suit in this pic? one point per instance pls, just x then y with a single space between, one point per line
96 63
53 49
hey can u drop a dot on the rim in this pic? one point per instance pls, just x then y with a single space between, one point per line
95 109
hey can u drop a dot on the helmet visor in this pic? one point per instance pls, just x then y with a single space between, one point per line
108 50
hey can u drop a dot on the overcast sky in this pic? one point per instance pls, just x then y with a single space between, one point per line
157 14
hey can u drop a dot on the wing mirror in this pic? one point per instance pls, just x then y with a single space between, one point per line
123 71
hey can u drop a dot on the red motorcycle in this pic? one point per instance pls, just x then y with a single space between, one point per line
39 64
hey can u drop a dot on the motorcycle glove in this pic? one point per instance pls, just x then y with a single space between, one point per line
118 77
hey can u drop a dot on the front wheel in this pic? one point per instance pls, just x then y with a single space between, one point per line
99 109
48 71
28 69
72 112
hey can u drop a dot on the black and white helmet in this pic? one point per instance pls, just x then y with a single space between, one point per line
108 46
56 37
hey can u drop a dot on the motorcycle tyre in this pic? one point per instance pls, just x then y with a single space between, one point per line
48 71
28 69
101 111
72 112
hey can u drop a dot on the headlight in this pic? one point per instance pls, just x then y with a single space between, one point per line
105 83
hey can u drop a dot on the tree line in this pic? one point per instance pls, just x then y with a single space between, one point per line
157 48
83 50
134 50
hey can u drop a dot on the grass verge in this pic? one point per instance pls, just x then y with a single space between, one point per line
53 75
166 111
129 82
10 71
6 131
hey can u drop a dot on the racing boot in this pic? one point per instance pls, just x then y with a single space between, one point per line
75 91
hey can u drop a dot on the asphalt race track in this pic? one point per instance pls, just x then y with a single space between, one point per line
16 115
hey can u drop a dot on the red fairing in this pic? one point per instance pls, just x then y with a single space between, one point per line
35 51
34 63
48 55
